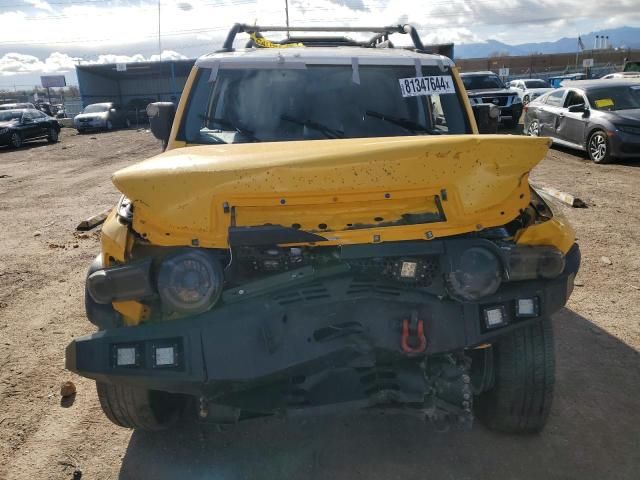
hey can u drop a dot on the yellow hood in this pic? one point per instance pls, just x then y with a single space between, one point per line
348 191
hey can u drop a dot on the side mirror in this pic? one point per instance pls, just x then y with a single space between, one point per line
487 117
577 108
161 116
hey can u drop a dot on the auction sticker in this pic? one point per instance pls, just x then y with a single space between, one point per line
439 84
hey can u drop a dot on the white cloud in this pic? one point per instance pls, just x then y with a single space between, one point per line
16 63
40 4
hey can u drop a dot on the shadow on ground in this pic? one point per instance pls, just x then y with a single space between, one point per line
591 434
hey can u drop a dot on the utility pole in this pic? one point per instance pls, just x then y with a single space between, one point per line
159 41
286 12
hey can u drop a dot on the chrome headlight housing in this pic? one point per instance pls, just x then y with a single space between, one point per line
476 274
190 281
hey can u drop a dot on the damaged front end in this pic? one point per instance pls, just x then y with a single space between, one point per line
395 304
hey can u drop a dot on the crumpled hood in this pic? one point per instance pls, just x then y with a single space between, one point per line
93 116
347 191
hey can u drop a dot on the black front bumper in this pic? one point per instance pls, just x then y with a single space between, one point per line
260 342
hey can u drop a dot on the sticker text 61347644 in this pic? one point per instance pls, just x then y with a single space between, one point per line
439 84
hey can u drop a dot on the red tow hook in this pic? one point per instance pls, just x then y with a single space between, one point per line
413 329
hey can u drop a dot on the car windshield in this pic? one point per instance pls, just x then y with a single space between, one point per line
318 102
622 97
482 82
96 108
536 84
9 115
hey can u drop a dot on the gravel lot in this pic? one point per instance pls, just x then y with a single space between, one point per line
45 190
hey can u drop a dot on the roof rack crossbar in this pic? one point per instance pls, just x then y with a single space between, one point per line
381 32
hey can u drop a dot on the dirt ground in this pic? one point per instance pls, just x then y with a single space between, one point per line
45 190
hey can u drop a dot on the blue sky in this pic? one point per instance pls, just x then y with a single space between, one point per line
44 37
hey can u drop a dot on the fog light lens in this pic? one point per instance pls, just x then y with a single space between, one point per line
165 357
126 356
527 307
408 269
494 317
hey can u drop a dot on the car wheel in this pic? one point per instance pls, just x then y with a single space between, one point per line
598 147
523 368
109 125
139 408
525 100
534 129
53 135
16 140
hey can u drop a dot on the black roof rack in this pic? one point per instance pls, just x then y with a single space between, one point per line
381 35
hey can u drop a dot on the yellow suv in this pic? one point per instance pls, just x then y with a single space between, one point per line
327 229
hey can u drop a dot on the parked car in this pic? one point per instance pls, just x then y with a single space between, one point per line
20 125
327 238
622 75
486 87
599 117
14 106
101 116
530 88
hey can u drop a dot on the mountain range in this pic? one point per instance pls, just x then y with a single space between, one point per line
623 37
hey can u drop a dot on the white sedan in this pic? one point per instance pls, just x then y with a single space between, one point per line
530 88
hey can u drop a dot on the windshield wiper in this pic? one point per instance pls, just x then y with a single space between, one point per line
405 123
234 126
327 131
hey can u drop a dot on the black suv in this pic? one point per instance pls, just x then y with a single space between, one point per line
486 87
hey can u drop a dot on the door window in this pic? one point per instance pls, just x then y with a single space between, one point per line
574 98
555 98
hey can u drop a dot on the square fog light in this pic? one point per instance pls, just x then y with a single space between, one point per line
126 356
495 317
527 307
165 356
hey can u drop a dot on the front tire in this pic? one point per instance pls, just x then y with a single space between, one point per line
53 135
524 376
138 408
16 140
598 147
534 129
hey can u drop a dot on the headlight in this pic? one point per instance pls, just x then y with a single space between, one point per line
530 262
629 129
190 281
476 274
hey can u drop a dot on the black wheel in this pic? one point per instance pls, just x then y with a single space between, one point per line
16 140
534 129
598 147
138 408
53 135
523 379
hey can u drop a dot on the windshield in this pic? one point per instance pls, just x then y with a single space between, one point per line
96 108
536 84
317 102
482 82
623 97
9 115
